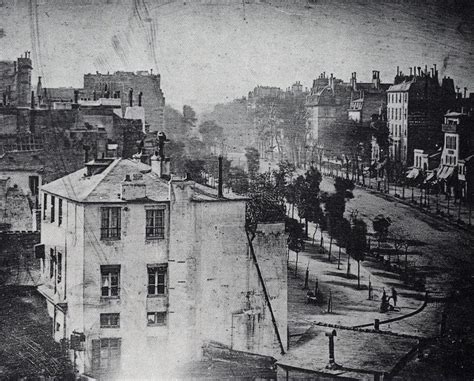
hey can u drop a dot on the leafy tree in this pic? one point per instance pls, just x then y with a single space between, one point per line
358 244
307 196
189 117
263 208
175 126
253 161
381 224
195 169
238 180
295 237
343 233
211 133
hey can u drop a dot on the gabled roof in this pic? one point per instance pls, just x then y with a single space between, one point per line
105 186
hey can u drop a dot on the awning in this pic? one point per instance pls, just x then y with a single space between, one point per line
445 172
431 177
413 174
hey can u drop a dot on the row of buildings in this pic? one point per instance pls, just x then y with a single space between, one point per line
420 116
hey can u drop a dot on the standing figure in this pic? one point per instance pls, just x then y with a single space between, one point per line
394 296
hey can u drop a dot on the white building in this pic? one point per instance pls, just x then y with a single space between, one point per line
397 120
147 270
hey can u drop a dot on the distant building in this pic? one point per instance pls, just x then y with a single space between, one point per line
15 81
142 88
458 147
415 106
367 99
140 270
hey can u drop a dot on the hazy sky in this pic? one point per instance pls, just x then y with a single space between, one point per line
216 50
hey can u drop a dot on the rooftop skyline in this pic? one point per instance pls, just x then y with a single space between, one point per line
214 51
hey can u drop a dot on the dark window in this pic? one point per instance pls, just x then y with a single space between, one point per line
52 259
156 318
157 280
34 184
45 205
53 202
106 354
60 211
155 223
110 281
110 223
109 320
60 267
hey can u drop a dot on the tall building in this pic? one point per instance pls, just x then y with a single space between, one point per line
141 88
415 105
15 81
140 270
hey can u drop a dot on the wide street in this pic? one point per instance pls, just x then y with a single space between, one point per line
445 252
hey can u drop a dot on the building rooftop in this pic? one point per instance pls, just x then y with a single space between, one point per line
404 86
105 187
356 351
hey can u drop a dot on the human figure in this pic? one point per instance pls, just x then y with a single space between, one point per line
394 296
384 303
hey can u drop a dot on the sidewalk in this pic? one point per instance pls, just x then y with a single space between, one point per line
350 306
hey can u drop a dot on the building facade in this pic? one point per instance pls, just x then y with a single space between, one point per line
15 81
415 105
144 270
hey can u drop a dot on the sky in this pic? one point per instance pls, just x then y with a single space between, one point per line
212 51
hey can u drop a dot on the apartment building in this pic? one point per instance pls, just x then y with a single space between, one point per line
140 270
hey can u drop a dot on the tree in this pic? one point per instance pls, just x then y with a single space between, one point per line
295 237
211 133
253 161
381 224
307 196
343 237
195 169
358 244
238 180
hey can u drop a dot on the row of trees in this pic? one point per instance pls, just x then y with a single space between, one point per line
276 194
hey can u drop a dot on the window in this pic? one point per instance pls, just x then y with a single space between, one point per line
157 280
109 320
155 223
450 142
110 281
156 318
52 259
60 267
110 223
34 183
53 202
45 205
60 211
106 354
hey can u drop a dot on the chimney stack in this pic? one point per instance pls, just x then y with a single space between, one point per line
130 97
220 184
32 99
465 92
140 95
398 71
76 96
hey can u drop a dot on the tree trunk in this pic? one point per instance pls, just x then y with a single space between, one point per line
306 227
339 259
330 248
296 265
358 275
315 231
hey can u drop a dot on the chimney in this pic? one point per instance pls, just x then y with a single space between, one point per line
32 99
419 71
14 67
220 184
76 96
94 95
465 92
411 71
130 97
140 95
398 71
426 70
133 189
